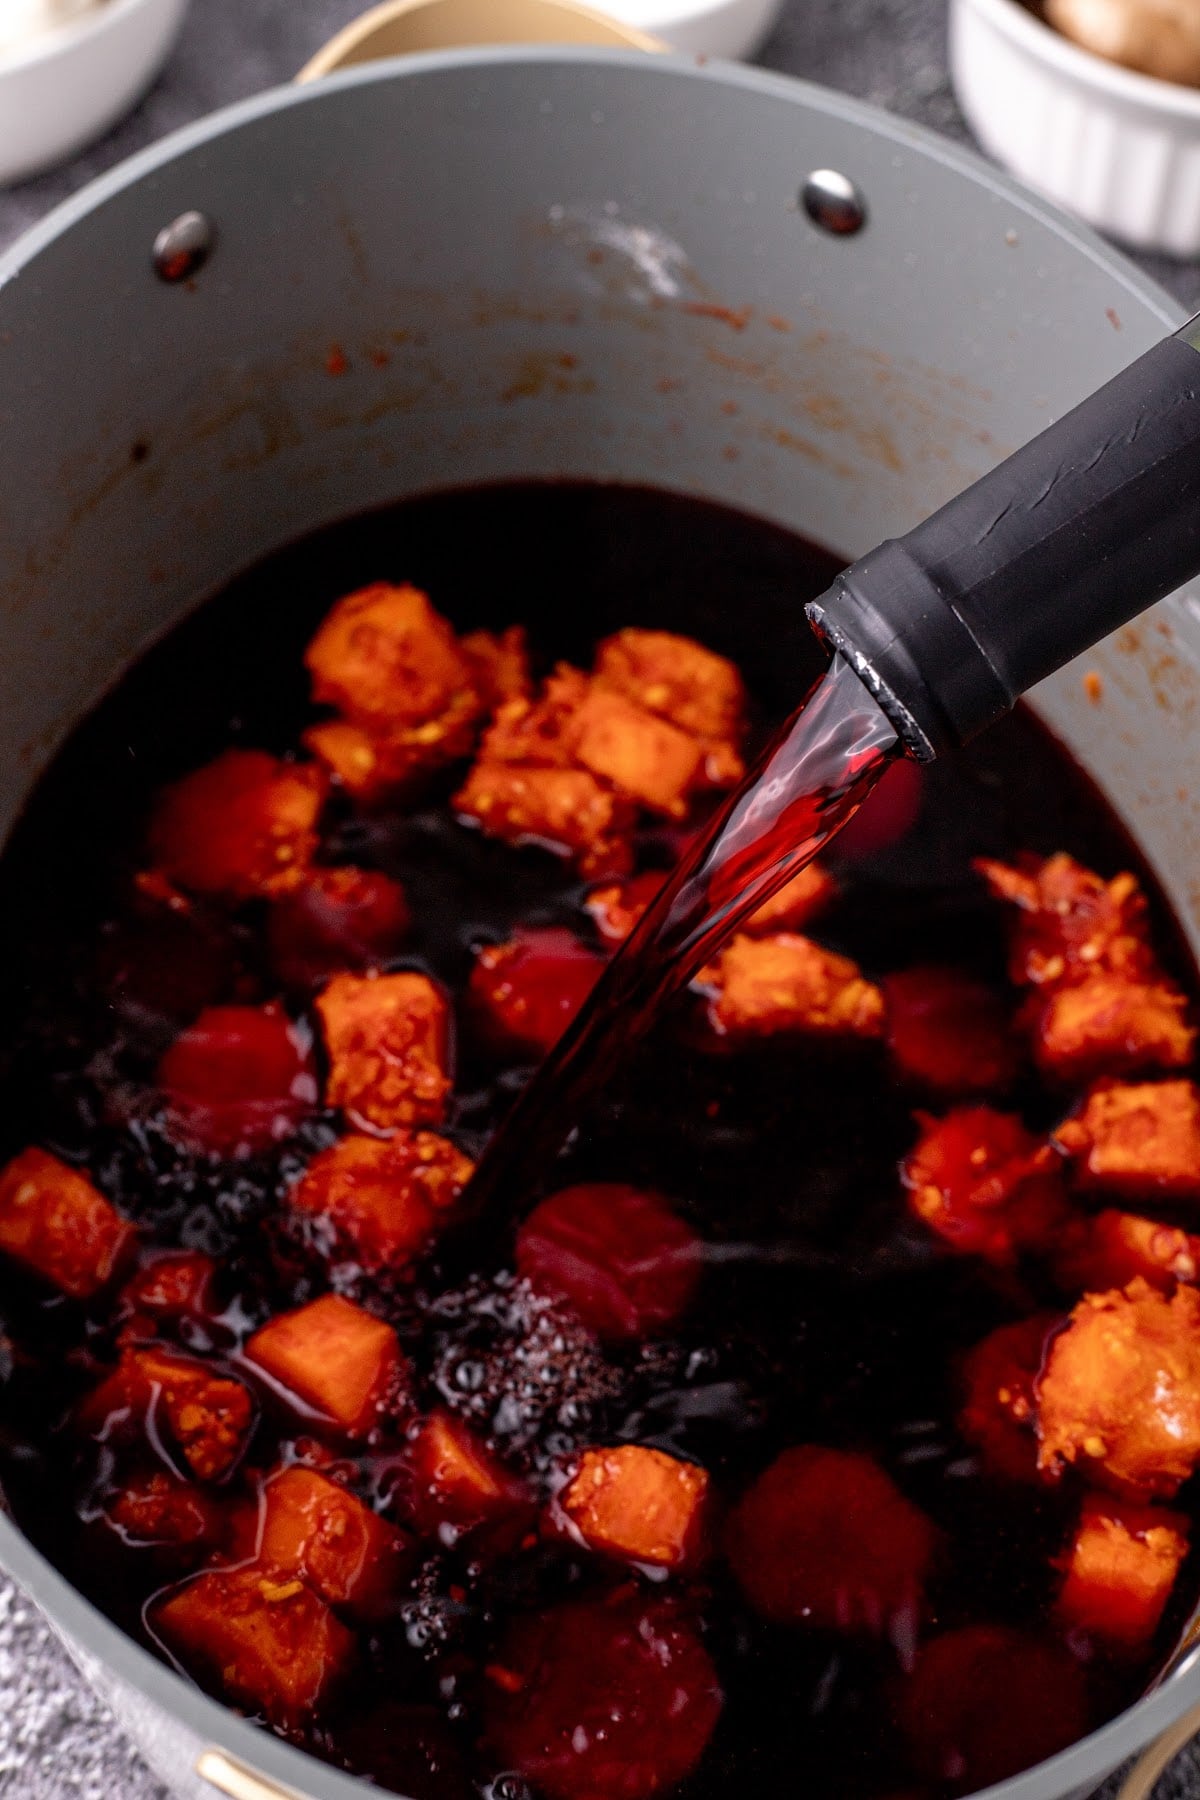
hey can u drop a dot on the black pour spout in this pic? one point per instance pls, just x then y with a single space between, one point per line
1060 544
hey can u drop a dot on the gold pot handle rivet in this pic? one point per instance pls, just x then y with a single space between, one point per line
237 1782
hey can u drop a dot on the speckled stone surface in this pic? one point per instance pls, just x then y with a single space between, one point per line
56 1741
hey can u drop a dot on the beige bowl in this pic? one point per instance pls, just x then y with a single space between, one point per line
400 27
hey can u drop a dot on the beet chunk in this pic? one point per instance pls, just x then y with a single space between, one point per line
825 1537
625 1261
949 1032
984 1183
985 1701
526 992
238 1079
999 1414
336 919
613 1697
244 826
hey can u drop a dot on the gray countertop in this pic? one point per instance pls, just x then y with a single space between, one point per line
56 1740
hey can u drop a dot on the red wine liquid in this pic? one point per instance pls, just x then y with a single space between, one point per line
809 783
826 1316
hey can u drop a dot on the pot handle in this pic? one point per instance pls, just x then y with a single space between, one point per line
1140 1782
237 1782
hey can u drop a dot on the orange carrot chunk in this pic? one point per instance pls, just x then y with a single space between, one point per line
618 906
567 811
342 918
1069 922
761 987
1109 1249
1107 1025
1120 1394
614 1697
172 1288
386 659
525 993
985 1701
1137 1139
267 1644
242 827
700 692
825 1538
999 1412
237 1079
626 1262
54 1222
337 1360
377 1201
178 1400
159 1510
456 1480
639 754
984 1183
1120 1570
637 1504
949 1032
387 1037
313 1528
499 664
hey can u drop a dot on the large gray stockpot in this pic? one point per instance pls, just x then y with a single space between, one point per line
488 264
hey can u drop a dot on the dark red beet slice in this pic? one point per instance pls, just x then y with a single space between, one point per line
342 918
625 1261
526 992
886 816
611 1697
825 1538
985 1701
164 967
238 1079
949 1032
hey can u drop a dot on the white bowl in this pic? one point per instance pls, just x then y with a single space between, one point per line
1119 148
72 83
732 28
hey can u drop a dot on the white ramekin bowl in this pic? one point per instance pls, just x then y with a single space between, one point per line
732 28
73 83
1120 149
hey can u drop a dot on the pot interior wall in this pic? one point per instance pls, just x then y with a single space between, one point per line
554 265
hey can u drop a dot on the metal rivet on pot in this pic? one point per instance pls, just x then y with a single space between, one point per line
183 246
834 202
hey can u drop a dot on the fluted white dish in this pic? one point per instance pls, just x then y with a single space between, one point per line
1119 148
68 85
732 28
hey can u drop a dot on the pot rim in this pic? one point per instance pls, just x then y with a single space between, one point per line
1078 1768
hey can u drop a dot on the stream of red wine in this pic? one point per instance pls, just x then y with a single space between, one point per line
809 783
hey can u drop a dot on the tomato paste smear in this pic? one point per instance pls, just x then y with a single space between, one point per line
716 1467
